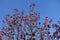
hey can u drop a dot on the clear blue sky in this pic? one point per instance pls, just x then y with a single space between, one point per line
49 8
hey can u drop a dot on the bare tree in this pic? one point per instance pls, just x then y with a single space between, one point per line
28 27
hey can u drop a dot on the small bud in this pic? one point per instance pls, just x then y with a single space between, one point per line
50 20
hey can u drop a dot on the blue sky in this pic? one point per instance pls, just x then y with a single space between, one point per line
49 8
